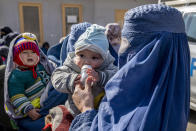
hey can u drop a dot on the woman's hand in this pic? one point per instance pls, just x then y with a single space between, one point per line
83 97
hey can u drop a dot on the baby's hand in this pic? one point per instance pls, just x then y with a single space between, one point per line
94 74
77 80
33 114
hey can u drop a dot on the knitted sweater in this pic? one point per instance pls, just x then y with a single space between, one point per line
25 91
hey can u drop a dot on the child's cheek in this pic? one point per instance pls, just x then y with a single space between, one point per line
78 62
37 60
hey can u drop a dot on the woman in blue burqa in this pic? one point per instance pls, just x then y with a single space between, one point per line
151 90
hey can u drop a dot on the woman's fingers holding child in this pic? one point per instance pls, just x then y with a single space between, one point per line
83 98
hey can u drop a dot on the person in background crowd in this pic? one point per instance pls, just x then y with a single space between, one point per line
7 35
113 33
3 54
45 47
5 124
151 91
5 31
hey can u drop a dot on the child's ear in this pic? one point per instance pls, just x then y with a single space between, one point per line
38 60
14 65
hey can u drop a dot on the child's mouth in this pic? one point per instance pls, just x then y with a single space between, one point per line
30 60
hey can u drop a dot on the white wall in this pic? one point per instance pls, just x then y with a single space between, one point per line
94 11
51 15
104 9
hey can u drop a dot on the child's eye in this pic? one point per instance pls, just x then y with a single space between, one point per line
95 58
24 52
81 55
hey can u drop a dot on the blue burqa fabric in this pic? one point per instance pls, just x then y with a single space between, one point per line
53 53
63 51
114 54
151 91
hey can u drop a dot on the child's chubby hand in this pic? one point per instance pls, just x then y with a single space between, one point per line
34 114
77 80
93 74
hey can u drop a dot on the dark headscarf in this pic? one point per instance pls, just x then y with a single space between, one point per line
151 91
5 30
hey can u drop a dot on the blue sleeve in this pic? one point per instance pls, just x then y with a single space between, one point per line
83 121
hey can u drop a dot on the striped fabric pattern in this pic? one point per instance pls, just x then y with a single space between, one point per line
23 101
35 90
24 45
25 91
20 101
103 78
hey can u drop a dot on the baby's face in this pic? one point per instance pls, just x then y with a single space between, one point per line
29 58
87 57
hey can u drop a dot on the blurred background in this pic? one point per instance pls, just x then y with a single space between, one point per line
51 19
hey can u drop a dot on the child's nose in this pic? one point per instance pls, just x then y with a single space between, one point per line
87 62
29 54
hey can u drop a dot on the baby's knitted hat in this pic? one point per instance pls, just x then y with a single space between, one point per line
27 41
94 40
